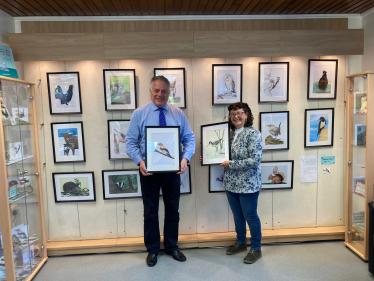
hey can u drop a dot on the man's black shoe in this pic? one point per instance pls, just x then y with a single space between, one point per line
151 260
177 255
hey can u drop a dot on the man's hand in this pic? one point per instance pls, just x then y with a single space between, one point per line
183 166
225 164
143 169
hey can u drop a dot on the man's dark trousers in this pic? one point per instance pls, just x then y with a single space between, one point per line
170 185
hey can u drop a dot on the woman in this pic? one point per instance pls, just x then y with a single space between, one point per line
242 180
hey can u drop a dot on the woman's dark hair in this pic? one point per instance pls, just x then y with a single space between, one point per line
246 109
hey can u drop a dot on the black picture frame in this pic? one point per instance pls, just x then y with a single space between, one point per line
211 167
69 148
220 126
276 175
324 112
164 72
106 189
216 92
107 87
270 134
261 87
160 148
188 171
53 110
311 84
112 140
74 177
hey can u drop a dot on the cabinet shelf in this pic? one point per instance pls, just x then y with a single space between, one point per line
18 197
19 160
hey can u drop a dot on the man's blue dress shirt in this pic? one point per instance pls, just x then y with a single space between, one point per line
148 115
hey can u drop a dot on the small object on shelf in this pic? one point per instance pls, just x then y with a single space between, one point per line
15 150
5 115
360 135
364 107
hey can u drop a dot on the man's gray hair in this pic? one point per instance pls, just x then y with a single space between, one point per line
160 78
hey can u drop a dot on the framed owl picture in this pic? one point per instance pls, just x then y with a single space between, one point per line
177 79
273 82
227 80
322 79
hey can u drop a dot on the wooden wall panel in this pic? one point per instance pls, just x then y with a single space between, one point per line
57 46
147 45
181 25
198 44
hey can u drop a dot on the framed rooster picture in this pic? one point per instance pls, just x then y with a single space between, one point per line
273 82
215 143
64 93
162 149
227 83
119 184
274 127
319 127
117 130
177 79
68 142
322 79
119 89
277 174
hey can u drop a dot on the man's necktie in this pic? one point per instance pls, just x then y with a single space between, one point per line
162 117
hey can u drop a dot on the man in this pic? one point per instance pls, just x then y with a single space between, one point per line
159 113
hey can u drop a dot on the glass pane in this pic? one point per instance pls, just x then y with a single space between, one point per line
358 157
2 263
22 181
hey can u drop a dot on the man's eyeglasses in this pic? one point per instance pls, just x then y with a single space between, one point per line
234 114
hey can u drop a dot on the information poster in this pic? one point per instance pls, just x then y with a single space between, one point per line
308 169
7 66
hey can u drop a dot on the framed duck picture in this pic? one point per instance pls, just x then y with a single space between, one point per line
322 79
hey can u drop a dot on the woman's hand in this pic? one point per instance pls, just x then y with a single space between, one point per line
200 158
225 164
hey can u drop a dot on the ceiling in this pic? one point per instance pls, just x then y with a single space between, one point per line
24 8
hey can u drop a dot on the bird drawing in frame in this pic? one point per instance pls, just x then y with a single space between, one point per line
323 81
20 114
160 148
229 85
64 98
116 144
321 125
121 136
215 144
274 131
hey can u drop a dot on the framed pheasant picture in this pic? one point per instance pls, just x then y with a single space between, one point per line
322 79
68 142
227 83
319 127
177 79
215 144
273 82
119 184
74 187
277 174
117 130
64 93
162 149
274 127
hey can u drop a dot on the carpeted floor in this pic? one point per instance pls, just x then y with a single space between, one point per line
304 261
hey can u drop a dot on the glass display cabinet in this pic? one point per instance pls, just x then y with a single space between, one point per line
359 173
22 232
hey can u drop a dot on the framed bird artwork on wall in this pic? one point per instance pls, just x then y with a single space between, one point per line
227 83
216 179
121 184
117 130
119 89
277 174
319 127
273 82
215 144
64 93
177 79
162 149
274 127
185 182
322 79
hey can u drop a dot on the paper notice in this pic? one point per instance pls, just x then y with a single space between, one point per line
308 169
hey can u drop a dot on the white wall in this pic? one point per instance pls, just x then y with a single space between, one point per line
6 26
368 57
306 205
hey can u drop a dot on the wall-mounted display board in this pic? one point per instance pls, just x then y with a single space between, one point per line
359 162
22 232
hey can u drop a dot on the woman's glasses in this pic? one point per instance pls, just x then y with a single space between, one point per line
238 113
